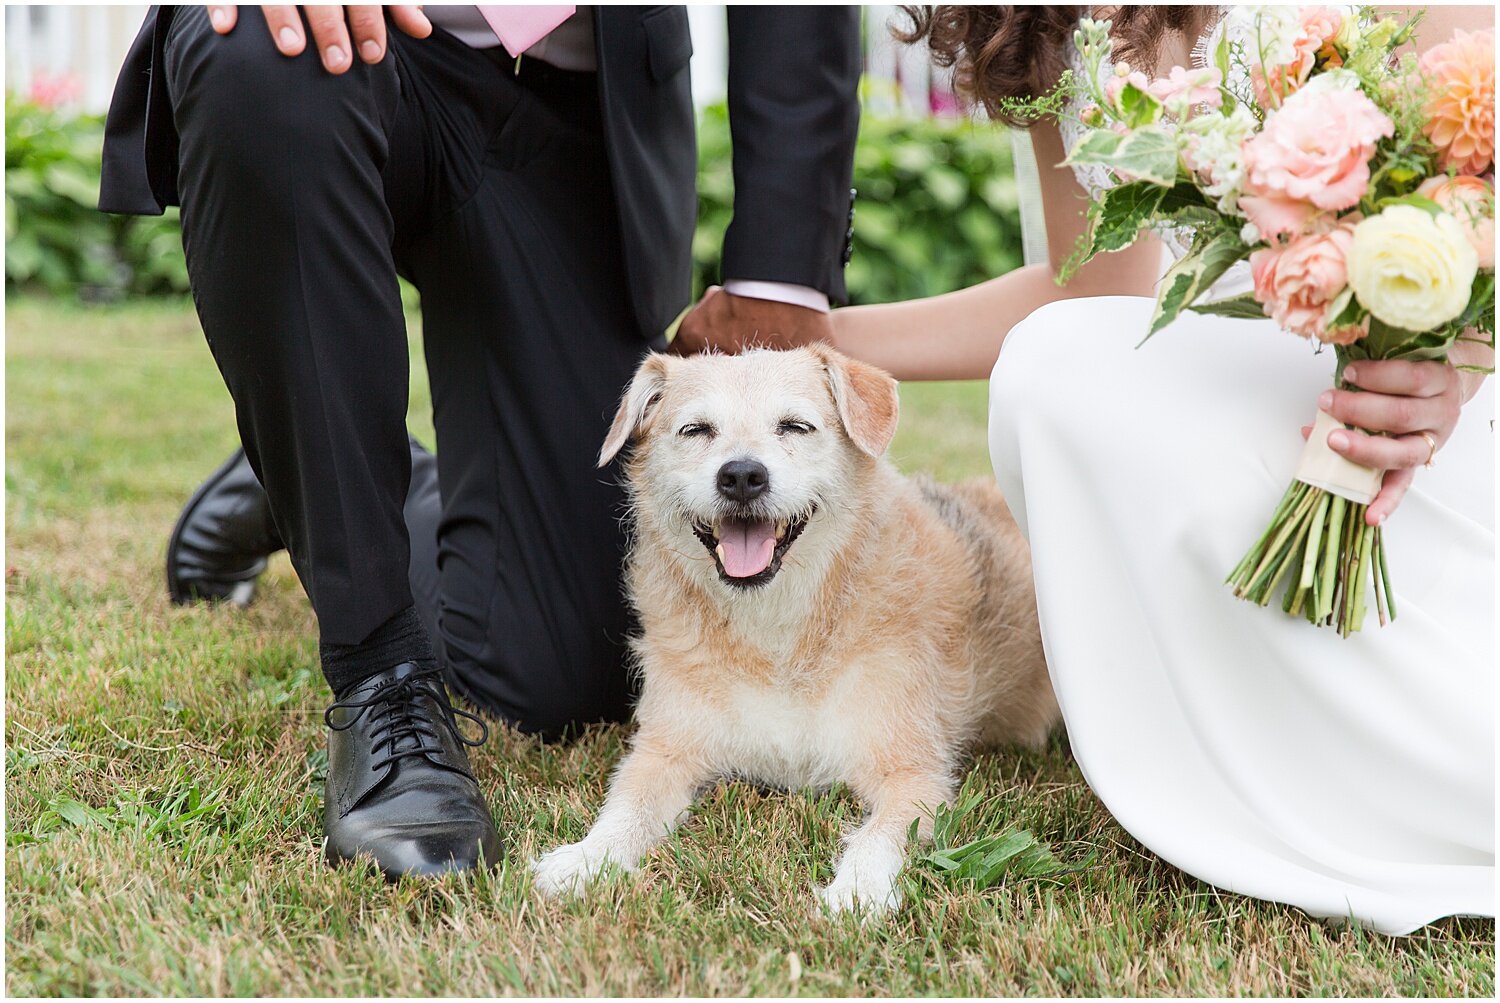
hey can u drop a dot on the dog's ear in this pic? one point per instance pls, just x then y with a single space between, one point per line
866 397
643 393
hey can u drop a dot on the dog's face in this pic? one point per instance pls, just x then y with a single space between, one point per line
737 457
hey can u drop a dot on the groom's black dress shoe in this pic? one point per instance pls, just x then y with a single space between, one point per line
399 788
225 534
222 538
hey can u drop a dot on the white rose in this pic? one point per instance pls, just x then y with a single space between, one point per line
1410 269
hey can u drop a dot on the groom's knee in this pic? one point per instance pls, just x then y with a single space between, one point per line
240 102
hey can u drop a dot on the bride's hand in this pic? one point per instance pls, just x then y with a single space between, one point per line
1407 400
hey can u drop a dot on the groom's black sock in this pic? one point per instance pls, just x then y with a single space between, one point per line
402 638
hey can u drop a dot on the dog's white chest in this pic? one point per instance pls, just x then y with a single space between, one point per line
788 739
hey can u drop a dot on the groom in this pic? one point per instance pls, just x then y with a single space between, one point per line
531 171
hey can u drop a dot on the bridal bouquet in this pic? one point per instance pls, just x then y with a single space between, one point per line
1359 186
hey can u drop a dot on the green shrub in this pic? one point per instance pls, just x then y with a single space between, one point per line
937 207
937 210
55 238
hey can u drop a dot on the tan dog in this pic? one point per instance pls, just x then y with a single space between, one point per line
809 615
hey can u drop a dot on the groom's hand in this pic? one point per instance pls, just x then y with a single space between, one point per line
728 323
328 23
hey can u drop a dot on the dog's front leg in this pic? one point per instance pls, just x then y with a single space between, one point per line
865 876
649 793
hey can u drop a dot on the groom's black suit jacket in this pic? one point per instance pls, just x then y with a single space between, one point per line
793 74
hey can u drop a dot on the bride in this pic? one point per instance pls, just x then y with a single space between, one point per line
1350 778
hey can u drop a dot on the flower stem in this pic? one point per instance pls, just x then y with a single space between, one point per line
1361 574
1326 581
1385 576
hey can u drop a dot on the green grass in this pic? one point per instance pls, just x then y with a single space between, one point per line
163 783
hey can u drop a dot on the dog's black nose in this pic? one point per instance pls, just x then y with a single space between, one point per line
743 480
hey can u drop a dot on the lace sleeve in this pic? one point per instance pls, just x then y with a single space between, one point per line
1094 178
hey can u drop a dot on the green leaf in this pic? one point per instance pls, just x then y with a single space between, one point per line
1183 203
71 181
1117 218
1098 147
1422 202
986 862
1143 155
1387 342
78 814
1480 313
947 186
1192 274
1242 307
1138 107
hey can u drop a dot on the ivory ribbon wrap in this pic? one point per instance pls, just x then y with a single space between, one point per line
1321 467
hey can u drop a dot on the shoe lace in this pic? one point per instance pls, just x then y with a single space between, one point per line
397 722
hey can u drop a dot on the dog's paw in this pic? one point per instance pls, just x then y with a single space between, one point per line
567 871
870 895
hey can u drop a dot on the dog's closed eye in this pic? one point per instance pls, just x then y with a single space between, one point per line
697 428
793 426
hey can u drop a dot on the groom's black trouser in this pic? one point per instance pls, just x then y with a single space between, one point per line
303 195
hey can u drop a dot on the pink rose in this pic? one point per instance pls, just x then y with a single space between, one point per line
1471 201
1276 217
1192 87
1316 149
1297 282
1320 25
1317 29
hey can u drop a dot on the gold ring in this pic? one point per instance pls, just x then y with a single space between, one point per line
1431 448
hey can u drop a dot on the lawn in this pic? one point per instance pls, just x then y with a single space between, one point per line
163 795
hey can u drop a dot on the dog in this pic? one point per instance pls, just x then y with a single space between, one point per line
808 615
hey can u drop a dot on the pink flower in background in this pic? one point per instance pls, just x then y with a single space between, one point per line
1471 201
1192 87
51 91
1297 282
1315 150
944 103
1461 111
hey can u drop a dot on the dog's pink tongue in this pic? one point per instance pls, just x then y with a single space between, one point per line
748 546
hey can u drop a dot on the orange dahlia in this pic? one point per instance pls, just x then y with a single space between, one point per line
1461 111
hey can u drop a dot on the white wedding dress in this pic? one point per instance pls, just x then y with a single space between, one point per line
1353 779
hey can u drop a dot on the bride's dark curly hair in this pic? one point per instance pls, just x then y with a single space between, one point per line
1000 53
